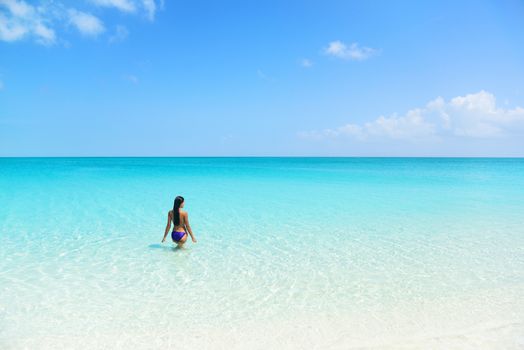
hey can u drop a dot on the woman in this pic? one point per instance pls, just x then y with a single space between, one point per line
180 222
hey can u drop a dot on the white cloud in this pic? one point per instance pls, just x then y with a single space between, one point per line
477 115
470 116
131 78
306 63
351 52
11 30
122 5
18 8
130 6
86 23
45 34
40 19
120 34
19 20
412 127
150 7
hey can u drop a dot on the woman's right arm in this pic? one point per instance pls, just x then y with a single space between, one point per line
167 227
188 227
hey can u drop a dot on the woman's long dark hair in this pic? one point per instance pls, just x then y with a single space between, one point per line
176 210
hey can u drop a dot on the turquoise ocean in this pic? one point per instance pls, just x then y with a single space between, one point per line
292 253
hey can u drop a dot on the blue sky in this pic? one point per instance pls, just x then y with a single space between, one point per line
240 78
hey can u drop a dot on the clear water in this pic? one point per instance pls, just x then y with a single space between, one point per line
295 253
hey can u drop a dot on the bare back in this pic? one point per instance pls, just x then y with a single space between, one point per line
183 220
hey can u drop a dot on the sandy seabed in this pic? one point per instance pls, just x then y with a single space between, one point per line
490 320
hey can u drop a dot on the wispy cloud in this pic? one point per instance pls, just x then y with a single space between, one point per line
86 23
131 78
40 20
470 116
149 7
264 76
19 20
352 52
306 63
119 35
122 5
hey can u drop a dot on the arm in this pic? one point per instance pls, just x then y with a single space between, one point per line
167 227
188 228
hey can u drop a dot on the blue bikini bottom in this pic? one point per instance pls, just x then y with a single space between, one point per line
177 236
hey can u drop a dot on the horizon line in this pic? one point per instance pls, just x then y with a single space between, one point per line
264 156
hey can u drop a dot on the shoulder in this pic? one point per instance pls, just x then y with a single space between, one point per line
170 213
183 212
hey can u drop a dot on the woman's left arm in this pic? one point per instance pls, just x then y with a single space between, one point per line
188 228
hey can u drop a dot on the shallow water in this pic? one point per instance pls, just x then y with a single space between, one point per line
292 253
